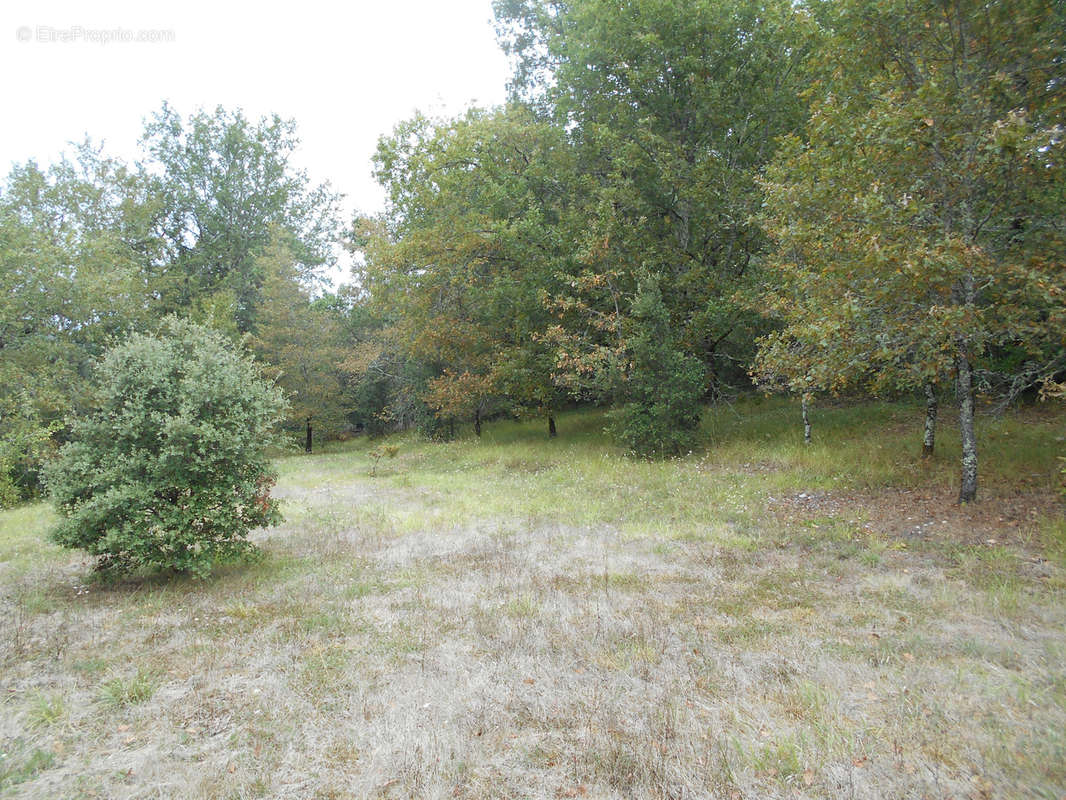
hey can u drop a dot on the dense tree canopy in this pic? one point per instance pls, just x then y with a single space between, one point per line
674 108
472 240
229 187
678 197
920 219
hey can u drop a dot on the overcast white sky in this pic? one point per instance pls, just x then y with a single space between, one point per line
346 71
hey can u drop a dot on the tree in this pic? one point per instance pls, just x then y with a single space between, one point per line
169 470
299 341
459 263
660 387
230 187
920 224
80 263
673 109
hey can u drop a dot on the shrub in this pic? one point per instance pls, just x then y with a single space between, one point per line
662 389
170 470
379 453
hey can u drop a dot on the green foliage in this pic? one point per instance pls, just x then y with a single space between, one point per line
457 266
919 218
673 109
661 386
16 766
230 188
77 253
300 343
169 470
25 441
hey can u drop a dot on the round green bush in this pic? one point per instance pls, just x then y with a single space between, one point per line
170 471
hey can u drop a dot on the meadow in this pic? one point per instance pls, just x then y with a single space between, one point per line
514 616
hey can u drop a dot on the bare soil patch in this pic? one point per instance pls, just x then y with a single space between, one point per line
999 517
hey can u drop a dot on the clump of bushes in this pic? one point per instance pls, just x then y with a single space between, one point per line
170 470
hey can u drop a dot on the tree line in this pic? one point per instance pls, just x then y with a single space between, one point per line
678 200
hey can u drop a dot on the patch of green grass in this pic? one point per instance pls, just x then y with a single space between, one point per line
18 766
632 653
522 607
120 692
90 666
325 621
716 494
750 633
46 710
781 759
24 538
995 571
1052 537
323 671
515 594
850 448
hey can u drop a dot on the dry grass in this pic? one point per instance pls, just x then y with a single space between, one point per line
514 618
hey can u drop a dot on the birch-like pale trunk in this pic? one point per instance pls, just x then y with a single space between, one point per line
968 488
931 407
804 404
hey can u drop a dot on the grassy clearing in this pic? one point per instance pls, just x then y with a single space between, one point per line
518 617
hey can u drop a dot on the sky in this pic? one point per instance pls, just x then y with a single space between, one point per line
347 72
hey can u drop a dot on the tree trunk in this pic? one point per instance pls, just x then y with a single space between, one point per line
551 427
307 446
806 419
931 405
968 490
477 422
